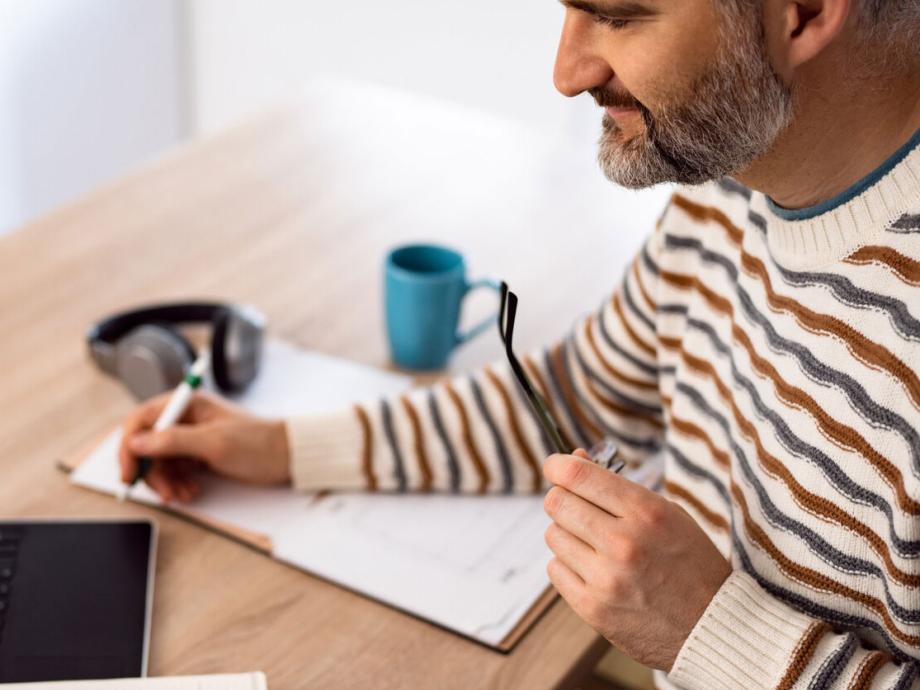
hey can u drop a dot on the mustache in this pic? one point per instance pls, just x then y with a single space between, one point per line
614 99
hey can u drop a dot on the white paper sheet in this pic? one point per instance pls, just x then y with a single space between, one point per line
474 564
242 681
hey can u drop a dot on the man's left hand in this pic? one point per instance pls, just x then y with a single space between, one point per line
635 566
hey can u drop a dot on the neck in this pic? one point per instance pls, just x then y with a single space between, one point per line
841 132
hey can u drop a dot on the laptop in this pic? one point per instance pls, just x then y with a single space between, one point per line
75 598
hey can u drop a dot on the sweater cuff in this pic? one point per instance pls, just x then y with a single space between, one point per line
325 451
744 639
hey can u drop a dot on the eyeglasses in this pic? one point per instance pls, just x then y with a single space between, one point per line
603 453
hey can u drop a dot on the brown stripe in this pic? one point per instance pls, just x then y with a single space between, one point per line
712 517
534 371
647 298
904 267
868 670
529 457
843 436
815 505
569 394
635 337
622 410
424 466
367 448
690 429
812 578
467 434
865 350
609 368
803 654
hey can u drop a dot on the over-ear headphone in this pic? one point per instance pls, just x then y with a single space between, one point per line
144 349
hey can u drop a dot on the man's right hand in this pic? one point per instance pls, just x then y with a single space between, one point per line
212 435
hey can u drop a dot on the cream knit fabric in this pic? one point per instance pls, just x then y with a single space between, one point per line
775 363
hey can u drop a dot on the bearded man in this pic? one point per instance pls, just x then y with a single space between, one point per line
766 340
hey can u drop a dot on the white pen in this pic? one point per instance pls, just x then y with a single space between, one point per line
175 408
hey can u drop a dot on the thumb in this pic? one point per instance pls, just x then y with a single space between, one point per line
182 439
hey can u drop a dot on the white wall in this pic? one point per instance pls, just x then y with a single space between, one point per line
89 88
498 56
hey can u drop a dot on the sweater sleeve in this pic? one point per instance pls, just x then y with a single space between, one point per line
476 433
748 639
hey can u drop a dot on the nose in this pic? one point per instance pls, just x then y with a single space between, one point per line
578 67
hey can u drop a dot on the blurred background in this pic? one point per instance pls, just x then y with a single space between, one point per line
93 88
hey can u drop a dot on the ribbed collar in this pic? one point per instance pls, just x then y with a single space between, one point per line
827 232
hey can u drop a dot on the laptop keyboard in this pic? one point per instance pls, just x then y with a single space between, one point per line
10 539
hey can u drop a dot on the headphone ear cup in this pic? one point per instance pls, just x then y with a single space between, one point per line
152 359
236 347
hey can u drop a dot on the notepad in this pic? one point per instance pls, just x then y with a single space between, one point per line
242 681
475 565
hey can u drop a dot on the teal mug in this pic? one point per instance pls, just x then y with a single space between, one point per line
424 289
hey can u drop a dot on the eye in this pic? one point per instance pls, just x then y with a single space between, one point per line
612 22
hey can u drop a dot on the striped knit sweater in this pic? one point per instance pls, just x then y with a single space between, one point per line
773 357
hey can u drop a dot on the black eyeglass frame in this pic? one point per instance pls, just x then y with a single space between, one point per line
604 452
506 314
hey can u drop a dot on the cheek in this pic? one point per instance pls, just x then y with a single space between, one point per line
659 67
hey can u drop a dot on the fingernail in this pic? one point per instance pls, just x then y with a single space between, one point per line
138 442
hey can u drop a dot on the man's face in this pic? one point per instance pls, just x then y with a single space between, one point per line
688 91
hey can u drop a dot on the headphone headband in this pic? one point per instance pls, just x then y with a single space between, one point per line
109 330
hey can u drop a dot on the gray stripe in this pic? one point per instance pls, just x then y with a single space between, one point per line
452 465
834 664
907 224
642 365
727 184
876 415
757 220
504 460
399 472
828 553
799 448
647 445
648 261
813 609
582 438
699 472
843 289
633 307
907 677
616 394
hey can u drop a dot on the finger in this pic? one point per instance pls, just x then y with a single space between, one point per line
605 489
571 550
581 453
193 440
143 417
566 581
157 480
585 520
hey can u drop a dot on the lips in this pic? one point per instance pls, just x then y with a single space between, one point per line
620 111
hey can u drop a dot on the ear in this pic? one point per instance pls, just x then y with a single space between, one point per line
800 30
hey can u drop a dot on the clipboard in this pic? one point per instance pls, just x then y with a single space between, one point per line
263 544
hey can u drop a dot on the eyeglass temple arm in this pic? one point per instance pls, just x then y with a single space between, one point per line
536 400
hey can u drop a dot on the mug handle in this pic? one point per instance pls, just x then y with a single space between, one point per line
496 285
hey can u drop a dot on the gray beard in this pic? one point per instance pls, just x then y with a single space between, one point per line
738 109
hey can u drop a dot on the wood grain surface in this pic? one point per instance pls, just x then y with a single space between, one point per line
293 213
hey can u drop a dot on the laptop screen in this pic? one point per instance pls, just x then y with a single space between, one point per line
74 599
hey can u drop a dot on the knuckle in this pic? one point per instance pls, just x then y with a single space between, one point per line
627 552
654 514
574 472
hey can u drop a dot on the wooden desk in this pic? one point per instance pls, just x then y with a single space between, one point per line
293 213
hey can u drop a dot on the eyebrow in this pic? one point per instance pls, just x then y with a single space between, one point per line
619 10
